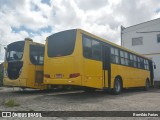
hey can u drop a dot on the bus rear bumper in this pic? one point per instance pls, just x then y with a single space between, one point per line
22 82
69 81
17 82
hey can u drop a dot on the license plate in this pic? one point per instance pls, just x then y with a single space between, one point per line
59 75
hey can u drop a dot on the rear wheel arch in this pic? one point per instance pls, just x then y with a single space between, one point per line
147 84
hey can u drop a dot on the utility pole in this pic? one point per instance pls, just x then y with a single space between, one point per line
122 28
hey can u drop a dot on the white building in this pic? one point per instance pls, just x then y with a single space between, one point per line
144 38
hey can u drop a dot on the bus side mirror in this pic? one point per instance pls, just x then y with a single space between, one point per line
154 66
5 48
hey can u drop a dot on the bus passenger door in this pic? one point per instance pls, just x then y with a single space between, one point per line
106 66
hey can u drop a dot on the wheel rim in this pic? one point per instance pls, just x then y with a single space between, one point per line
117 86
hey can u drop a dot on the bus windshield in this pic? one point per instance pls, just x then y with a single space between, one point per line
15 51
62 43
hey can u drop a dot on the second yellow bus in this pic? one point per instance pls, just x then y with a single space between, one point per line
23 65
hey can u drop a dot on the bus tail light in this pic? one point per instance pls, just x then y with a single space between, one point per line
46 75
74 75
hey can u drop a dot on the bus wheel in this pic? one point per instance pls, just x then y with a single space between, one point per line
147 85
117 86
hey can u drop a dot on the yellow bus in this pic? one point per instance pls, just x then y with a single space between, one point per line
23 65
80 58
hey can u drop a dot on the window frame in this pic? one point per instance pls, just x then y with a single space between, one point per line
124 57
114 56
38 54
83 49
158 38
135 58
137 41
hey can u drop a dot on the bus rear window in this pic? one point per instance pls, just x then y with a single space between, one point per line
37 54
62 43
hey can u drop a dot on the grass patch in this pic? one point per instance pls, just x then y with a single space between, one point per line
10 103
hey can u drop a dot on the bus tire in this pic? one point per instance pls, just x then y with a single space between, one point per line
117 86
147 85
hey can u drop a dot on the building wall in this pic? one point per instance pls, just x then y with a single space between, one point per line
150 48
156 59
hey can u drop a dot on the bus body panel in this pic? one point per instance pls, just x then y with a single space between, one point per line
72 81
60 68
26 78
31 80
93 75
18 82
131 77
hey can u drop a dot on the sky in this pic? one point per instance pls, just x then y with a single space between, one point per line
38 19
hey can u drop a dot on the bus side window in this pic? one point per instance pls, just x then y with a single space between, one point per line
131 61
114 55
113 59
147 65
126 58
141 63
135 60
138 62
122 57
33 60
36 54
41 59
96 50
87 51
92 49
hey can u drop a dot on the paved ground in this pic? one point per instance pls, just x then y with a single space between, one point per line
35 100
